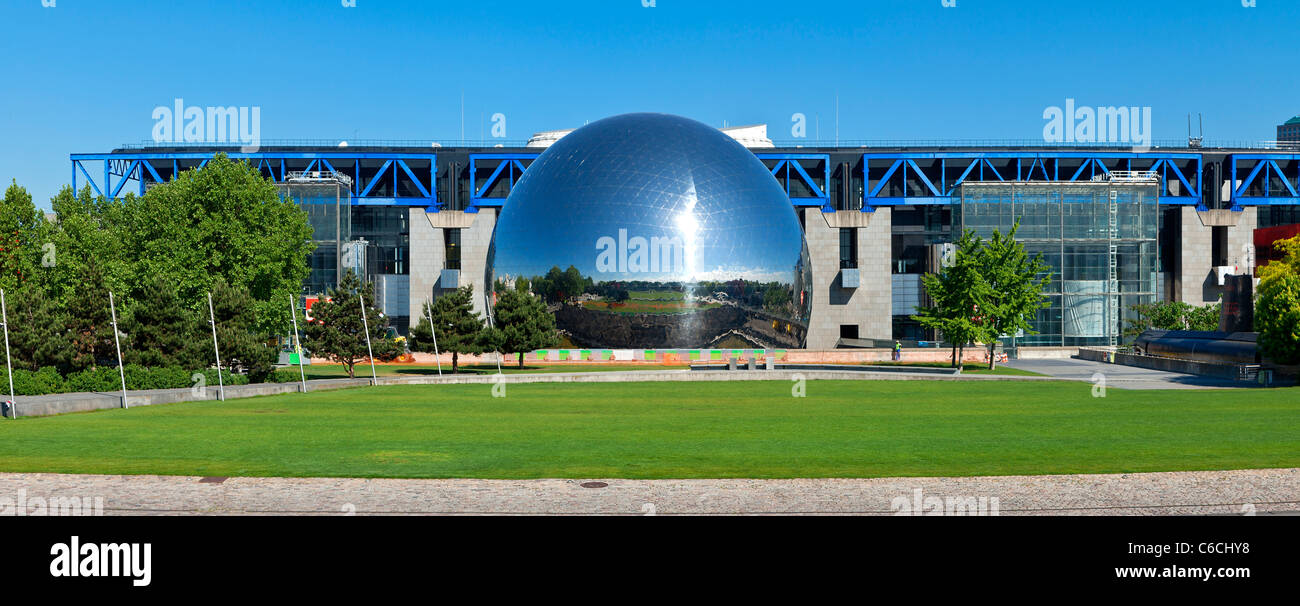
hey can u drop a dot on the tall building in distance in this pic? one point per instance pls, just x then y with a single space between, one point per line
1289 130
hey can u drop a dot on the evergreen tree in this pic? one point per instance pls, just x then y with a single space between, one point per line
522 323
37 334
242 345
460 329
90 322
163 332
337 329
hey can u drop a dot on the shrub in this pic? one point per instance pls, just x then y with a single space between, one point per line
283 375
99 378
32 383
227 378
1277 317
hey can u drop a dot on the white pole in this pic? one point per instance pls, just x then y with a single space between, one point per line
436 356
487 302
212 319
112 309
293 313
4 316
374 380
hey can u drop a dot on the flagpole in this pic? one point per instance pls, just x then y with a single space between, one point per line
436 356
112 308
374 380
293 314
4 316
212 319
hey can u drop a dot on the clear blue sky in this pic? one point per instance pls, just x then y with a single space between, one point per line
85 75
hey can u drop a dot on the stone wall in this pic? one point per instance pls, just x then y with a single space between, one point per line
869 305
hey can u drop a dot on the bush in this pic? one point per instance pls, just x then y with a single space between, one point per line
284 375
99 378
1277 317
140 377
106 379
29 383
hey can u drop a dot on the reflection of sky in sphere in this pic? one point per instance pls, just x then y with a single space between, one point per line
649 197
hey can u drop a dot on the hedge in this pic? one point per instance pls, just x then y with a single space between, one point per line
106 379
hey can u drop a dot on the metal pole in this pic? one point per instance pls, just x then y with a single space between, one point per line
4 316
436 356
212 319
293 313
374 380
487 302
112 309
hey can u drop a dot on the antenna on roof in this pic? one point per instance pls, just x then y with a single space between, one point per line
1197 140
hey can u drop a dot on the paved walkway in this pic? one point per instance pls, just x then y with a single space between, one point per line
1118 375
1205 492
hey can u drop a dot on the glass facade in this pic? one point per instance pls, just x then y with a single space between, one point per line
387 233
650 230
328 204
1099 238
1272 216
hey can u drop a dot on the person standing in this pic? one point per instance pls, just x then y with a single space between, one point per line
898 351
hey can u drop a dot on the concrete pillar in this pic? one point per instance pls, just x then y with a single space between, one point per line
1240 236
475 242
1196 281
428 253
427 259
868 305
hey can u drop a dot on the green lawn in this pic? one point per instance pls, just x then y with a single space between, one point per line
675 430
976 368
510 366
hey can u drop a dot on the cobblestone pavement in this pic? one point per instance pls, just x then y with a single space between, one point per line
1203 492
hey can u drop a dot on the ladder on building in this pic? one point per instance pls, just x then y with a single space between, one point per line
1112 281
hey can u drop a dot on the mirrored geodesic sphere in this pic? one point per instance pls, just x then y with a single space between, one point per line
655 231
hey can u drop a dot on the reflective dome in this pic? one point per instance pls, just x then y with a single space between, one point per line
651 230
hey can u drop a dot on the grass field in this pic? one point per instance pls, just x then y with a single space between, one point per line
675 430
977 368
509 365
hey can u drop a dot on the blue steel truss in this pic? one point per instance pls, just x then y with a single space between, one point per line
1259 180
377 177
507 171
888 178
910 178
797 169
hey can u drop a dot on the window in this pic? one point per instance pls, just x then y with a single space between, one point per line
848 331
848 248
1219 244
452 248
